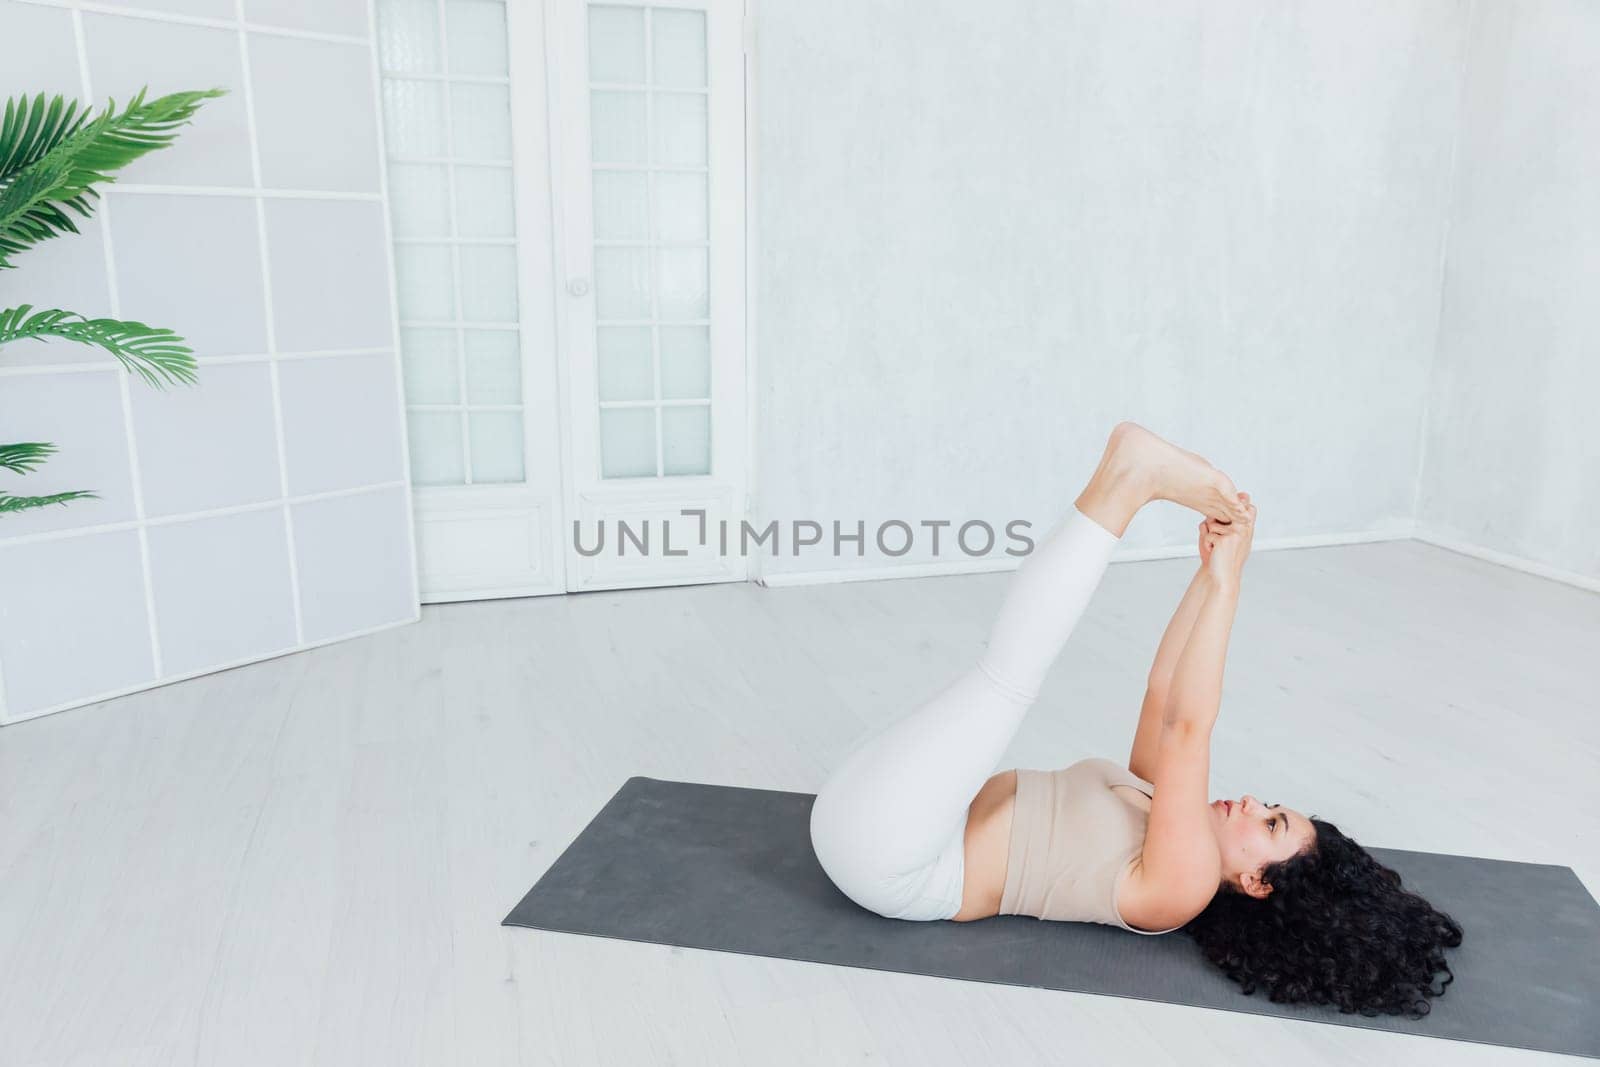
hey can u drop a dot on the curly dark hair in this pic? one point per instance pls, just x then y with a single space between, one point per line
1337 928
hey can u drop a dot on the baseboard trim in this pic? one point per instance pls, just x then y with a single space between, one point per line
1431 536
245 661
1009 563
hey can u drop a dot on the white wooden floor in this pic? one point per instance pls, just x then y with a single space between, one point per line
306 861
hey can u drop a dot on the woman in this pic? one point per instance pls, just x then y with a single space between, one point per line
912 826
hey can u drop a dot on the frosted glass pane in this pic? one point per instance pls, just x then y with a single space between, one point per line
413 117
436 453
678 39
686 362
684 288
625 364
686 440
408 35
484 202
488 283
681 206
680 129
627 442
476 30
480 119
428 357
496 446
616 127
621 212
494 368
419 199
422 277
616 44
621 283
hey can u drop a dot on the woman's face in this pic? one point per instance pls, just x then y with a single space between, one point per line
1251 835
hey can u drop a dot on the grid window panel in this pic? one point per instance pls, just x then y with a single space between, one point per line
428 357
325 16
627 442
82 414
618 125
419 197
208 608
48 31
494 367
496 445
213 290
681 208
485 202
408 36
340 422
684 284
678 48
480 120
686 440
127 54
616 44
425 280
304 143
624 358
621 284
438 456
621 205
685 362
477 36
329 289
649 146
679 127
233 415
488 283
452 195
354 572
91 587
413 118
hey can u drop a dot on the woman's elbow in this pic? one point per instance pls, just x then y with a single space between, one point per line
1184 730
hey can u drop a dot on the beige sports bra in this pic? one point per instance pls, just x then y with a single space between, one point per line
1074 837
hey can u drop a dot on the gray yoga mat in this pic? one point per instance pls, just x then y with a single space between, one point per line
732 870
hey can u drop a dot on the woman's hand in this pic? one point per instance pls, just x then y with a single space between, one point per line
1225 546
1207 539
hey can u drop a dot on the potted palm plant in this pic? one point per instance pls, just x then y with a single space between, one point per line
51 155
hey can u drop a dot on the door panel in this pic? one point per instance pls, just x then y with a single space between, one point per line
468 151
568 236
648 127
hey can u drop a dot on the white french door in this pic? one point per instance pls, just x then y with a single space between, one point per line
469 206
566 190
647 128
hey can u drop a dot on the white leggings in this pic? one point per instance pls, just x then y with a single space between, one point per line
889 824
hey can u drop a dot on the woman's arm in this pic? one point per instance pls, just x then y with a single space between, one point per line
1146 738
1180 868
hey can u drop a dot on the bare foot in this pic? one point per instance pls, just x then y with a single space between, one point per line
1171 473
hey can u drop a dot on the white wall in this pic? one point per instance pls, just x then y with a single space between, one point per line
985 233
265 509
1513 448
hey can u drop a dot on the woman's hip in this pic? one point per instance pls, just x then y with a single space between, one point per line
867 874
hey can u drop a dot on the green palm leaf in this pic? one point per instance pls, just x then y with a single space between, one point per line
10 503
52 153
25 456
156 355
